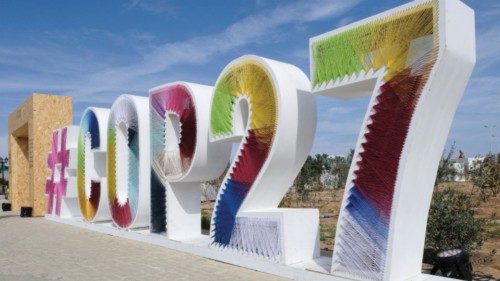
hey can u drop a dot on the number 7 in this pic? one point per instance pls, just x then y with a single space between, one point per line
415 62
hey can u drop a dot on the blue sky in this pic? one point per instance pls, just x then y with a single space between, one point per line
96 50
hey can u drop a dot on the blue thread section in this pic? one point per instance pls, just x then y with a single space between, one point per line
368 218
158 191
91 125
227 207
157 134
158 205
133 170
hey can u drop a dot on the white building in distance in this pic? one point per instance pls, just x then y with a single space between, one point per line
463 165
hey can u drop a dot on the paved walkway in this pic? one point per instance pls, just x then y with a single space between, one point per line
35 249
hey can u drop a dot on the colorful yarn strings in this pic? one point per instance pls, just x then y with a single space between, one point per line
176 159
89 137
248 80
388 42
52 160
158 205
384 42
169 161
123 113
52 187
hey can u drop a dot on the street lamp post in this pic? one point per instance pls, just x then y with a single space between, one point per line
492 140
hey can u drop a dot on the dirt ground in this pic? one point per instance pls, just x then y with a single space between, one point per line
328 202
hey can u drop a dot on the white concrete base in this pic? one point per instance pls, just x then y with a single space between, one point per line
70 207
183 210
298 232
317 269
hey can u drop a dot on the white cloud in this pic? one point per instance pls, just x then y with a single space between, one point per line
153 6
301 53
345 21
491 13
341 109
332 145
481 96
198 50
340 127
488 47
61 62
49 59
480 106
86 75
35 82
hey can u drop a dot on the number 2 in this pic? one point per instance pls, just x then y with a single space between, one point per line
266 105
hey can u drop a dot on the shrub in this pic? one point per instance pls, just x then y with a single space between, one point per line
205 220
495 231
452 223
327 234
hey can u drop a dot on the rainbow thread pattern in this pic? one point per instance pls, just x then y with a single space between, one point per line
89 132
57 156
396 42
124 114
169 161
244 80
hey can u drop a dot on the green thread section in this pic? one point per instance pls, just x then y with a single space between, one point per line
339 55
81 168
111 160
382 42
81 153
223 101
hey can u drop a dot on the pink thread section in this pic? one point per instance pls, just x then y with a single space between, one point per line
57 156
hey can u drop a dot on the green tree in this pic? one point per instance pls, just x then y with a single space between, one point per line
340 169
486 176
310 174
445 171
452 222
319 164
303 179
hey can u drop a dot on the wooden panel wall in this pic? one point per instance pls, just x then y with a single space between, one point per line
30 135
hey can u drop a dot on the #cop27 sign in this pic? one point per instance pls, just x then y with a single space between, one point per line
141 163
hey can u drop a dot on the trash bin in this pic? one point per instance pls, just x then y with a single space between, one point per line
6 207
26 212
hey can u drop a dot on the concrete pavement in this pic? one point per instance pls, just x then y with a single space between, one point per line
35 249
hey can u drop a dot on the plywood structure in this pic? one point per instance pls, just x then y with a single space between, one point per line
30 130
